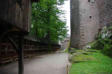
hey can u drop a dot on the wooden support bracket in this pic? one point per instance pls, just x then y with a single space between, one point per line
14 44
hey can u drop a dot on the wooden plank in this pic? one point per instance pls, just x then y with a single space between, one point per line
16 14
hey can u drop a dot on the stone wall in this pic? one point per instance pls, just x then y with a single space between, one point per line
75 24
84 22
89 21
87 18
105 12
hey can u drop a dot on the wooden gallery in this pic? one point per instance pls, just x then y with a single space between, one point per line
15 18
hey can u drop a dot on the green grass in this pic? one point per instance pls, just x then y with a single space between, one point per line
92 63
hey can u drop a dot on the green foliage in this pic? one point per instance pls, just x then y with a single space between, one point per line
104 41
93 63
46 24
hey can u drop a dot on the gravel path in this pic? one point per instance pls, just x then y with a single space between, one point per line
55 63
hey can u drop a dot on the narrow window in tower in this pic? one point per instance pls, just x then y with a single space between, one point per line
88 0
90 17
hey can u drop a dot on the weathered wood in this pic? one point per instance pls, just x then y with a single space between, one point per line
16 14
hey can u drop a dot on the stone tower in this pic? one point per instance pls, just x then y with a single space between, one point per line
84 22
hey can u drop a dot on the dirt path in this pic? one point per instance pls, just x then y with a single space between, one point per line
46 64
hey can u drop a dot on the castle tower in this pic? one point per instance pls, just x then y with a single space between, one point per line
84 22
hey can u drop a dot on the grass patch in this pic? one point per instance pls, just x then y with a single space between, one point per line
92 63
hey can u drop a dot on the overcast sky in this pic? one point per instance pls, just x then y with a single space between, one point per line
66 10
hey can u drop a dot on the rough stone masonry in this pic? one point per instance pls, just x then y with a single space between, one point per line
87 17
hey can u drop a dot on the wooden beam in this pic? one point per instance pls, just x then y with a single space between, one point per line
14 44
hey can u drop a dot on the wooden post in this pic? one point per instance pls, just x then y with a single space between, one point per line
20 55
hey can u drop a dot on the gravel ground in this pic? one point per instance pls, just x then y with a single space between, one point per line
55 63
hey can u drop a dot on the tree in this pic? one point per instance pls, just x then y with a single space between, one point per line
46 24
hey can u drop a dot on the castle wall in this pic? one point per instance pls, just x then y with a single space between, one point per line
105 12
89 21
75 24
84 22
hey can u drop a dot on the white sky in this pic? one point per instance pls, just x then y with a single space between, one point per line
66 16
